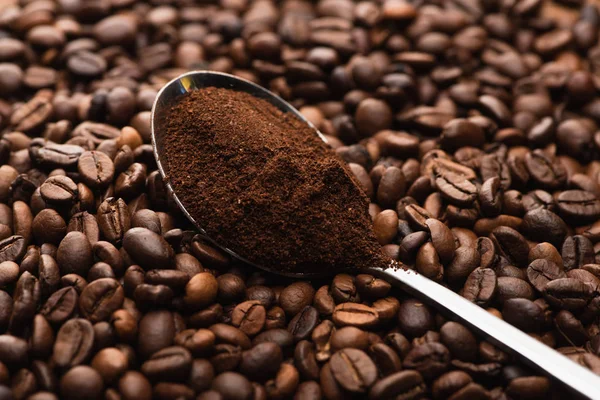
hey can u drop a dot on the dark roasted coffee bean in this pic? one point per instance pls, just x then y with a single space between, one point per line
147 248
113 219
95 168
12 248
353 370
511 244
430 359
577 251
74 255
407 383
262 361
481 286
169 364
567 293
542 271
74 342
100 299
61 305
303 323
578 205
59 190
48 227
26 299
354 314
298 295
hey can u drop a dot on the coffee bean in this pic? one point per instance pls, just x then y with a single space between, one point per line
100 299
353 314
81 382
86 64
262 361
455 188
26 299
403 383
231 385
201 290
544 225
49 227
249 316
295 297
147 248
113 219
169 364
303 323
110 363
577 251
60 306
567 293
542 271
59 190
9 273
353 370
578 205
156 331
385 358
74 343
13 350
12 248
430 359
74 254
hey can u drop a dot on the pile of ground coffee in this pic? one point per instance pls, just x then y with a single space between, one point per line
260 182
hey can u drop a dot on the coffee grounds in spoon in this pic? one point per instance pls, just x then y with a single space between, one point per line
262 183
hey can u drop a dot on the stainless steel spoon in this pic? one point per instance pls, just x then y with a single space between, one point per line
498 332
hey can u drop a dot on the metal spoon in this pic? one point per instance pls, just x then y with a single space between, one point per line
498 332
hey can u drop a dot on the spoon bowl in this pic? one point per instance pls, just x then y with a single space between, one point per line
510 339
170 95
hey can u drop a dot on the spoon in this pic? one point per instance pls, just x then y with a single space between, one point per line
493 329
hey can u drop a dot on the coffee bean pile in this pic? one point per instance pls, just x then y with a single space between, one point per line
471 124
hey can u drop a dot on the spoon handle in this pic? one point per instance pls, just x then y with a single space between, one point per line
496 331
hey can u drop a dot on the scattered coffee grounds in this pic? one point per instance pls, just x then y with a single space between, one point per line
260 182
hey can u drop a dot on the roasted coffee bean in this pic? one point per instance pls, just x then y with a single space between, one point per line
578 205
567 293
511 244
147 296
459 340
407 383
74 343
542 271
385 358
100 299
415 318
12 248
113 219
26 299
353 370
170 363
577 251
53 155
59 190
147 248
262 361
74 255
303 323
86 223
430 359
61 305
48 227
249 316
354 314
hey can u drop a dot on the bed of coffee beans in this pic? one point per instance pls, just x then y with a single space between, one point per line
471 124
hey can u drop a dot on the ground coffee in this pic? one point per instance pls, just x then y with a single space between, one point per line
260 182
